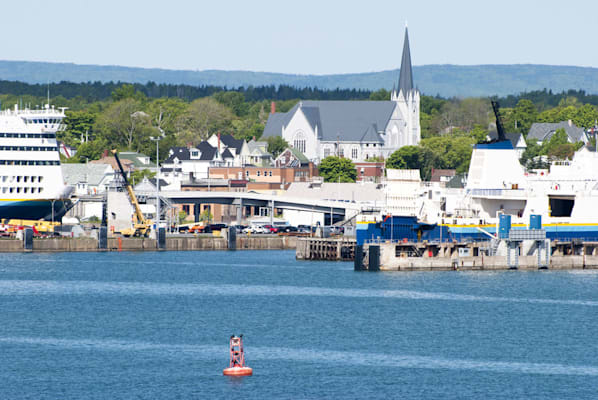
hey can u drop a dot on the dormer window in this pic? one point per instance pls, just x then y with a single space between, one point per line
195 154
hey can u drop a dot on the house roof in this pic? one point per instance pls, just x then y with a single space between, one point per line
544 130
90 173
513 137
437 173
110 160
337 120
182 153
299 155
260 148
227 154
230 141
135 158
207 151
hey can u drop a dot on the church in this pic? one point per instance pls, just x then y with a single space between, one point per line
358 130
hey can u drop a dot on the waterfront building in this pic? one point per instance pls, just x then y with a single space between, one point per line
358 130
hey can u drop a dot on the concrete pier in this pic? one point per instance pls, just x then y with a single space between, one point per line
173 243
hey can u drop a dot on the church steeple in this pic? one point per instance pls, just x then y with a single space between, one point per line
406 75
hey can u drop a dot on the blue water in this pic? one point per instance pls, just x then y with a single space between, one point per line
156 325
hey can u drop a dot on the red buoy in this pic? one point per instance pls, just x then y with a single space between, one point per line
237 365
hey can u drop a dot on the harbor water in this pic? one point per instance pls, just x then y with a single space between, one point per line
156 325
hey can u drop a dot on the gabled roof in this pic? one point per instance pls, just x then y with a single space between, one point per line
230 141
182 153
258 148
135 158
312 114
90 173
207 151
227 154
338 120
544 130
299 155
513 137
371 135
406 74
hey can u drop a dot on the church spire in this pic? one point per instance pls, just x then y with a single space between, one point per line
406 75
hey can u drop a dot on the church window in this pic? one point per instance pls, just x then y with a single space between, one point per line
299 142
354 153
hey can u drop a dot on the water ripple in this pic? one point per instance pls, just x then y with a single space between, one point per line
215 352
45 287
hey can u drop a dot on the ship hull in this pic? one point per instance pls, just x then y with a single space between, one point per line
34 209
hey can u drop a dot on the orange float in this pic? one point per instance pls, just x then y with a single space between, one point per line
237 365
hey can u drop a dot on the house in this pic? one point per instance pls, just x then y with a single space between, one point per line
238 151
369 171
543 131
291 157
127 164
358 130
265 178
442 176
89 178
516 139
258 154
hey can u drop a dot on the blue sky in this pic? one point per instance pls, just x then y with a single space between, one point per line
303 37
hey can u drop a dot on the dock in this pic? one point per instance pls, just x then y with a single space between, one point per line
329 249
452 256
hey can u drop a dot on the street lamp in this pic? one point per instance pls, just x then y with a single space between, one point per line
157 140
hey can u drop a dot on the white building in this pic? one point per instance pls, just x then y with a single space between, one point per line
358 130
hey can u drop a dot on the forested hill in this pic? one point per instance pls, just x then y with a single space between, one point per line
443 80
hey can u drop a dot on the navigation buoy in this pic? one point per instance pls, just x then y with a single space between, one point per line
237 365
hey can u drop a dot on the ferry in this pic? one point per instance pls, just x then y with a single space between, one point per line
31 182
564 197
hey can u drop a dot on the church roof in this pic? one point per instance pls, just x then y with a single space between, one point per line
406 74
337 120
371 135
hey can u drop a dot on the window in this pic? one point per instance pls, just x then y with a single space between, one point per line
40 189
354 153
25 179
18 179
3 190
326 152
247 174
341 153
270 173
258 173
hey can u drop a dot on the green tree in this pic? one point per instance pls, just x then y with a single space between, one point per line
479 133
381 94
127 91
335 169
407 157
89 151
525 114
276 145
124 124
203 118
79 124
235 101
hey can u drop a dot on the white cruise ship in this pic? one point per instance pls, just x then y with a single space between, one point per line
31 182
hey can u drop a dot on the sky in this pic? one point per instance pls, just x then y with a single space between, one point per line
299 36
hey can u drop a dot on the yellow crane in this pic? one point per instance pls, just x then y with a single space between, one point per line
141 225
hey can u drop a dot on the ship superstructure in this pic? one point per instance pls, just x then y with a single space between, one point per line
31 181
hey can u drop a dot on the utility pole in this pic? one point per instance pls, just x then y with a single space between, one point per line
157 140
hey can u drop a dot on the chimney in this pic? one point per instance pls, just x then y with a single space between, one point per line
570 123
218 142
254 136
272 107
105 154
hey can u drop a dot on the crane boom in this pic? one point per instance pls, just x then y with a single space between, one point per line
141 225
499 128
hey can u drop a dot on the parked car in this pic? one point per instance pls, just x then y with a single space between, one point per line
239 228
270 229
304 228
214 227
253 229
288 229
